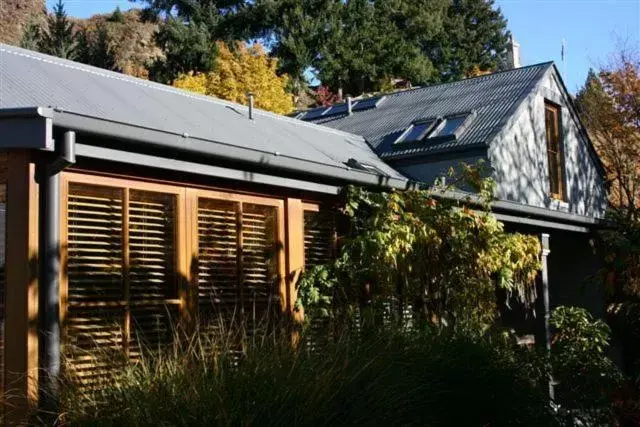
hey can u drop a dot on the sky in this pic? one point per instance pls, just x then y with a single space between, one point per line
592 29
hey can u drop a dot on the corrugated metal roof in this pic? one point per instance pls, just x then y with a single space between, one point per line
493 98
29 79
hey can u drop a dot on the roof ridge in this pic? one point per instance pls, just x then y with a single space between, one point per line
539 64
14 50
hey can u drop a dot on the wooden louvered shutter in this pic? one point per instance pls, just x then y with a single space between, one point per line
259 263
95 318
319 237
122 283
237 262
319 244
152 279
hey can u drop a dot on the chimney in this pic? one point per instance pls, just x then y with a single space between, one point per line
250 102
349 105
513 53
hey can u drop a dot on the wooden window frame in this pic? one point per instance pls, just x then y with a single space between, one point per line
558 153
180 260
194 194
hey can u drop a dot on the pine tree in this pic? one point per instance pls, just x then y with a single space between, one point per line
474 39
59 40
188 31
117 16
102 52
31 37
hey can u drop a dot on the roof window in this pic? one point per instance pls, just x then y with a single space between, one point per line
440 128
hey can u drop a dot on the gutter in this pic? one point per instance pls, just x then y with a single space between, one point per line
221 151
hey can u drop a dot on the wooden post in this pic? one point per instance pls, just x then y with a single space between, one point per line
21 292
295 253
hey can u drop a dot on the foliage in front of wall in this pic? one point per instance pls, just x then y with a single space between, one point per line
442 257
587 379
408 379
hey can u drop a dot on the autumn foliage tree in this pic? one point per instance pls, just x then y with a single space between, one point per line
239 71
610 107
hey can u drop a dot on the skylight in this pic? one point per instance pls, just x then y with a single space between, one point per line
417 131
436 129
449 126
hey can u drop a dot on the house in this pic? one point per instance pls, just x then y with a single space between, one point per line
131 205
522 123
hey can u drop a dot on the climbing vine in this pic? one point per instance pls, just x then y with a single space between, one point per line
443 257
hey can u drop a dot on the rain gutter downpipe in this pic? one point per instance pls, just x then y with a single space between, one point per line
48 178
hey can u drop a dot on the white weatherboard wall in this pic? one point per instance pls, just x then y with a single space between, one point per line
519 158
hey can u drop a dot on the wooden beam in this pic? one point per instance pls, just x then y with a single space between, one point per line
294 252
21 293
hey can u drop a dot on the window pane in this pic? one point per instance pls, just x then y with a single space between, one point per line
554 151
416 132
449 127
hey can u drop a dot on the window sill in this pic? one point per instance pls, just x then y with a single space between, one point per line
558 204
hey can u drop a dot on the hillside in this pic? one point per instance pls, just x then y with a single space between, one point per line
132 40
15 15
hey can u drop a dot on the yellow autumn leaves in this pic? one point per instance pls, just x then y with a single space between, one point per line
239 71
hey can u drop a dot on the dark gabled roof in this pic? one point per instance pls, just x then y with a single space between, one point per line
79 92
491 98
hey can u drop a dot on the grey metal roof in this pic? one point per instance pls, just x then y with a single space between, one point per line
30 79
492 97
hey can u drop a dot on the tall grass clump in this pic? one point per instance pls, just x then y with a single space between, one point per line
386 378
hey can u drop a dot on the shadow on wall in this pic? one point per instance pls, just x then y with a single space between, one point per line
519 158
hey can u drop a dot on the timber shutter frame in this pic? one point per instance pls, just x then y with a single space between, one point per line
555 150
140 258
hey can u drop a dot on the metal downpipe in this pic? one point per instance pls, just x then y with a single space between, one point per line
48 178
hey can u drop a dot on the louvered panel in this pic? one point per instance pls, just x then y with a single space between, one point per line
152 273
318 250
319 231
95 234
259 252
94 346
153 328
217 252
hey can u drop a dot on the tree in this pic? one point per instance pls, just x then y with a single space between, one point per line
95 47
609 104
474 39
237 72
31 37
188 29
117 16
59 39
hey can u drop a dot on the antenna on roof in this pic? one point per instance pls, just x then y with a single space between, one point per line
562 55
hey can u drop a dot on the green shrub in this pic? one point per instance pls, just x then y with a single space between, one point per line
587 379
392 379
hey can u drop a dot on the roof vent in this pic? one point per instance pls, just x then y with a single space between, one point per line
364 167
250 103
